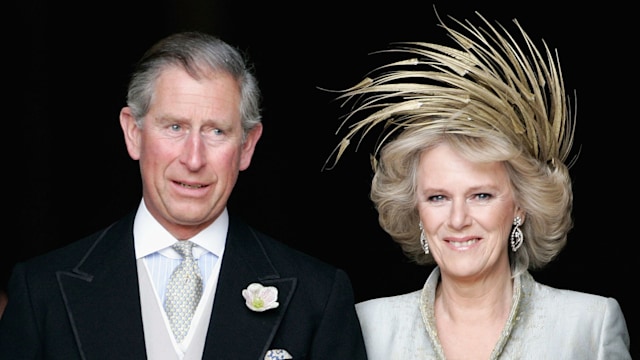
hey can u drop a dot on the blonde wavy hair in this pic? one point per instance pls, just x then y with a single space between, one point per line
492 99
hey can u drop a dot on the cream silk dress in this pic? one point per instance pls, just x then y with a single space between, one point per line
544 323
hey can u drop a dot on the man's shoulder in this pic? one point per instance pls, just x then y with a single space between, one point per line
71 252
278 251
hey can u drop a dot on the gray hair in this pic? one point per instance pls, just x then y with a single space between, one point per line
198 54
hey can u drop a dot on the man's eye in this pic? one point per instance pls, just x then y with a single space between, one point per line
217 132
176 127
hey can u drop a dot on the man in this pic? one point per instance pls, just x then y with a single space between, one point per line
192 121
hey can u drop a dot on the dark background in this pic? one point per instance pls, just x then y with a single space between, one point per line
69 172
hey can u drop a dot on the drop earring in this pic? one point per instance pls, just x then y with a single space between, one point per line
423 239
516 234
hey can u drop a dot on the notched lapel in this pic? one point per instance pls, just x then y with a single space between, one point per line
234 328
101 295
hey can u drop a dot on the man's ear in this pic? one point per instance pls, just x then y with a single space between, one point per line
249 146
131 132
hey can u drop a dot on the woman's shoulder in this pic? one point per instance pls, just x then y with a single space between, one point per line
568 296
390 305
565 301
551 317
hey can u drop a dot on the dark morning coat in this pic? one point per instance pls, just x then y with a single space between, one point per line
82 302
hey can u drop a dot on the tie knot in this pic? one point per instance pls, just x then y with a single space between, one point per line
184 248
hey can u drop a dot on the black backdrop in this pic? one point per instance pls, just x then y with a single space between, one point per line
70 173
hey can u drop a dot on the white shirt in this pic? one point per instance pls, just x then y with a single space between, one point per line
153 242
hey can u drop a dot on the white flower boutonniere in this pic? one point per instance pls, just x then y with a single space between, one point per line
260 298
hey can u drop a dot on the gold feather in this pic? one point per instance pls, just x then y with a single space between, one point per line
488 82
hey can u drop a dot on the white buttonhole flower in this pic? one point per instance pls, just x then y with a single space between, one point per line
260 298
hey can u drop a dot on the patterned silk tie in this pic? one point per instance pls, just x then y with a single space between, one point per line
183 291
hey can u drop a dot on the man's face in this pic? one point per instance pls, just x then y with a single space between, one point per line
190 149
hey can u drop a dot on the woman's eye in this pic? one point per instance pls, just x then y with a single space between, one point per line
483 196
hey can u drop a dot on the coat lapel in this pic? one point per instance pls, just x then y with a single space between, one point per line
102 297
234 329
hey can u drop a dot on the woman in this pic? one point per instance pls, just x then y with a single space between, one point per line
472 176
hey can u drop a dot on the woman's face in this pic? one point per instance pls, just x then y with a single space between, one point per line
467 210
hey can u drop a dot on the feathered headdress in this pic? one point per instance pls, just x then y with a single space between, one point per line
489 83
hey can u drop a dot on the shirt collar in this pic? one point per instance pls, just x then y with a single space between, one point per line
149 236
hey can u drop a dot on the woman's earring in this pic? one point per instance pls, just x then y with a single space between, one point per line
423 239
516 234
